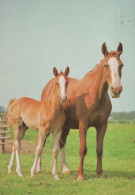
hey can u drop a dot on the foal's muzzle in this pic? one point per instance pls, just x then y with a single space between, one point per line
63 99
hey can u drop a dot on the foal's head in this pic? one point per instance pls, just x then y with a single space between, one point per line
112 68
61 82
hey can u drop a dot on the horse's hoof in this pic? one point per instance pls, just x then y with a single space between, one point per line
9 170
100 176
56 177
38 171
67 173
80 177
20 175
32 174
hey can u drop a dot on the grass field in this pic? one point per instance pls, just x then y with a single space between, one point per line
118 166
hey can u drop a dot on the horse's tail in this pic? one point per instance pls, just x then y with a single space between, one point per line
7 114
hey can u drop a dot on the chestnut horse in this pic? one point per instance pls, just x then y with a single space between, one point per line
46 116
89 105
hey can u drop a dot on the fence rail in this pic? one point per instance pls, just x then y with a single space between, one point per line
5 132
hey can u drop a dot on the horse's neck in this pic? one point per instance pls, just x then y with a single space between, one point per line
95 82
54 99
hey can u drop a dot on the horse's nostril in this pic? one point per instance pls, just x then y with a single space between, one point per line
120 90
63 99
117 90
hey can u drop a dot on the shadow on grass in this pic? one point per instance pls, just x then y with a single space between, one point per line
119 174
107 174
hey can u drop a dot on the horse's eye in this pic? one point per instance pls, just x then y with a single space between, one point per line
67 82
106 66
56 83
121 65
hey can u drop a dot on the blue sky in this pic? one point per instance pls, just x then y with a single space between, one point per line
36 35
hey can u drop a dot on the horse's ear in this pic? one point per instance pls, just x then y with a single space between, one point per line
120 48
55 72
104 49
67 71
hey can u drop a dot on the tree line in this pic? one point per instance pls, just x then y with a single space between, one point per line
2 109
123 115
114 115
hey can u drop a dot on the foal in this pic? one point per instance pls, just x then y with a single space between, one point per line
46 116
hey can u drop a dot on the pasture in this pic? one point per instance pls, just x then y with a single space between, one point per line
118 166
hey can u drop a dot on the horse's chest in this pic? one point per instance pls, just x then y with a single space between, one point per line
58 122
98 116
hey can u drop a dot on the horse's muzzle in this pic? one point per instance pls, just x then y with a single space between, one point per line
116 91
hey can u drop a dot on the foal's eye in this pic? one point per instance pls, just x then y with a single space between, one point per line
67 82
121 65
106 66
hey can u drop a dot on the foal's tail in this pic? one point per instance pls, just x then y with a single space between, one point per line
7 114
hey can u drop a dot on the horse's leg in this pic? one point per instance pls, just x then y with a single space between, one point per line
83 148
10 166
101 129
63 138
22 131
39 163
56 139
41 138
17 149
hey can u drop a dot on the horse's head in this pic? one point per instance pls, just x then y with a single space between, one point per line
61 82
112 69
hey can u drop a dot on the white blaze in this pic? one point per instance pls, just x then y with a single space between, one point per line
113 63
62 86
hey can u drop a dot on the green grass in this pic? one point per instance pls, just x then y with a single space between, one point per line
118 166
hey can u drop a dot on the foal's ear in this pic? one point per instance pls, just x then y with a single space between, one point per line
104 49
55 72
67 71
120 48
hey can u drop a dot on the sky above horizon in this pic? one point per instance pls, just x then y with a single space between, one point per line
35 36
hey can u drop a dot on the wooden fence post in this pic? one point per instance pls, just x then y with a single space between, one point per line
3 132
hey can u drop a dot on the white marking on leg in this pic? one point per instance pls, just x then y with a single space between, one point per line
63 160
56 137
10 166
34 166
39 149
18 168
38 167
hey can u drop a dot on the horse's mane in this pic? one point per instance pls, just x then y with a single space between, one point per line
97 65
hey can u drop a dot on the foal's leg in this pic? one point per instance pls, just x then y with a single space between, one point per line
21 133
83 148
23 129
39 163
56 138
10 166
63 138
15 149
41 138
101 129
